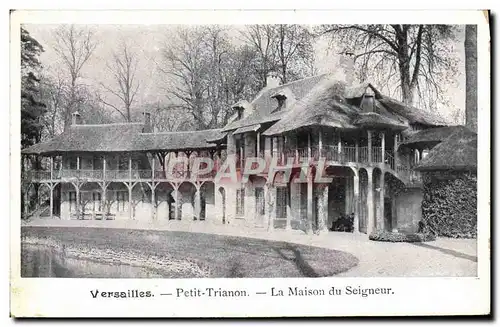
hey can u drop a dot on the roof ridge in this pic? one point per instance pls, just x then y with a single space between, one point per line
179 132
110 124
299 80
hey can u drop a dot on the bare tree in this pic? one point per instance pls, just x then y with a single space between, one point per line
415 59
74 46
262 38
287 49
294 51
206 74
123 68
54 92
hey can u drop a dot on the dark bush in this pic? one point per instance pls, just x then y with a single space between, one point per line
343 224
385 236
449 207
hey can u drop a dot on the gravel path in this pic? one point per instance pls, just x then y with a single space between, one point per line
443 257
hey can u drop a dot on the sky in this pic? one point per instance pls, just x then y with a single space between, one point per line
148 40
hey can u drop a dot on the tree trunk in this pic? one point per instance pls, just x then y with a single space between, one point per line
470 45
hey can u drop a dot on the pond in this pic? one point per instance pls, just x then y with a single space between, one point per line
39 260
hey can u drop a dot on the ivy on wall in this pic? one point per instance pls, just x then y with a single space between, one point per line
449 207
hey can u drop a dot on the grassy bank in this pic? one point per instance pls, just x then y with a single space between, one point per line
225 256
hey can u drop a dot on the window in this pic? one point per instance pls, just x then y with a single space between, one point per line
121 199
281 201
281 103
123 163
97 163
260 201
96 197
239 112
240 202
72 164
72 201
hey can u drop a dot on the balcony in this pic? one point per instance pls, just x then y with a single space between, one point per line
112 175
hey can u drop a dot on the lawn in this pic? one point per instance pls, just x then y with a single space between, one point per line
225 256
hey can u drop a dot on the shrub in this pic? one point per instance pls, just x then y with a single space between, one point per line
449 207
343 224
385 236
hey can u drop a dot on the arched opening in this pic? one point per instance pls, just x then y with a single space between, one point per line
185 201
393 186
207 200
340 195
163 201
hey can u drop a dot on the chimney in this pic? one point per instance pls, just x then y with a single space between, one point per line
148 128
272 80
76 118
344 71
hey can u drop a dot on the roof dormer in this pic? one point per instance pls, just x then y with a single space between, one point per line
242 109
284 97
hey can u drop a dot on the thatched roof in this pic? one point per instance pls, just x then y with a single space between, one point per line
124 137
414 115
375 120
171 141
264 105
457 152
98 138
324 100
324 105
432 136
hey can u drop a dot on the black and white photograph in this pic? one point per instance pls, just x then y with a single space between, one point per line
293 152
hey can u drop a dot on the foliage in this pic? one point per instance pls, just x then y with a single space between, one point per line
32 108
449 207
386 236
405 60
343 224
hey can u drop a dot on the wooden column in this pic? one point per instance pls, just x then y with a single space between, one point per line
177 204
129 187
153 201
258 144
51 168
356 149
370 202
382 142
77 187
380 220
197 203
356 200
153 166
78 166
320 142
339 146
104 167
369 133
104 188
309 228
130 167
308 145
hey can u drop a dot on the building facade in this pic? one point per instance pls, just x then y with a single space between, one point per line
298 156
